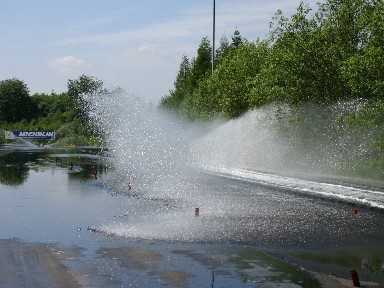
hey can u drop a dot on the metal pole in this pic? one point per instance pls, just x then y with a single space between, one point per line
213 41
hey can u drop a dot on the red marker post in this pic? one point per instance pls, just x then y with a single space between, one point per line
355 278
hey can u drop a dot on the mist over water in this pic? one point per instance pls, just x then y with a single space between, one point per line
307 140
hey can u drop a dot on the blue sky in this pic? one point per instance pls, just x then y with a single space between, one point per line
136 45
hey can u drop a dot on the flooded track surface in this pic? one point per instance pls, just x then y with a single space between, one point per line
152 236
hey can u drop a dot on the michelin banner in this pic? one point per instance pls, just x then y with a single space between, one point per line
30 135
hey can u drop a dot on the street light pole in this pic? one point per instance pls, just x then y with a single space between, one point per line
213 41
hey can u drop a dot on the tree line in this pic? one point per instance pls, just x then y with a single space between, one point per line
64 112
331 54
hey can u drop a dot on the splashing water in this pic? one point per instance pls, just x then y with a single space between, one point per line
162 158
308 140
148 147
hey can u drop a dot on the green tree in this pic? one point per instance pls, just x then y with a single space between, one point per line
177 95
15 103
364 71
345 37
80 89
237 40
81 92
226 92
234 79
307 54
200 70
289 73
203 104
49 104
53 111
342 23
222 51
201 65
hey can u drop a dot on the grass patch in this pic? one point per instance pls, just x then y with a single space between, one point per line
370 261
246 257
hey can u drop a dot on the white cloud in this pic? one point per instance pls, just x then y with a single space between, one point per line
143 48
68 64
